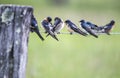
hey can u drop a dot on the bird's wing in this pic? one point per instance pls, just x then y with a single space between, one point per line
74 27
58 27
38 33
54 36
69 29
46 25
90 31
56 24
77 30
93 26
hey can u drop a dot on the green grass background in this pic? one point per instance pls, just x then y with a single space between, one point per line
74 56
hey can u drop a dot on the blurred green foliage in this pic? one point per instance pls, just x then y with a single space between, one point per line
74 56
75 4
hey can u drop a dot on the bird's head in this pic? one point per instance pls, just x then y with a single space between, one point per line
82 21
112 22
67 21
56 18
49 19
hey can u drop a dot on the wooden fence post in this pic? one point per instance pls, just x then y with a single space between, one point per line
14 33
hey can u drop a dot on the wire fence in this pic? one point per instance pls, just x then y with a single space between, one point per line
112 33
115 33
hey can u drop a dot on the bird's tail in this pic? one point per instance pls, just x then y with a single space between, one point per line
52 30
40 36
109 27
94 34
47 35
82 33
91 33
54 36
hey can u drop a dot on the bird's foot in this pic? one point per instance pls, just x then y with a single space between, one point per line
58 32
45 32
107 31
71 33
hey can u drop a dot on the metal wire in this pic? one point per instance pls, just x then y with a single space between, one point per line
115 33
112 33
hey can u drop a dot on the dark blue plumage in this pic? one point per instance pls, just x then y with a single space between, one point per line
101 29
46 23
109 26
58 25
92 26
73 28
87 26
34 27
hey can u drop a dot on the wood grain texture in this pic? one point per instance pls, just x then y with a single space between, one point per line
14 34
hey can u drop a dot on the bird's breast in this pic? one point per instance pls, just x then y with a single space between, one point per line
69 29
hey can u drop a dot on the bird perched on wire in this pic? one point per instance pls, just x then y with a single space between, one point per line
87 26
107 28
73 28
102 29
34 27
95 28
47 25
58 25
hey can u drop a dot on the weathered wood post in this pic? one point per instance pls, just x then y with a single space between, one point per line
14 33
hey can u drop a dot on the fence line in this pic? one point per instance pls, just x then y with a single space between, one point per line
112 33
115 33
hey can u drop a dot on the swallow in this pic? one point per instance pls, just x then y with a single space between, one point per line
87 27
95 28
58 25
47 25
103 29
34 27
73 28
108 27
